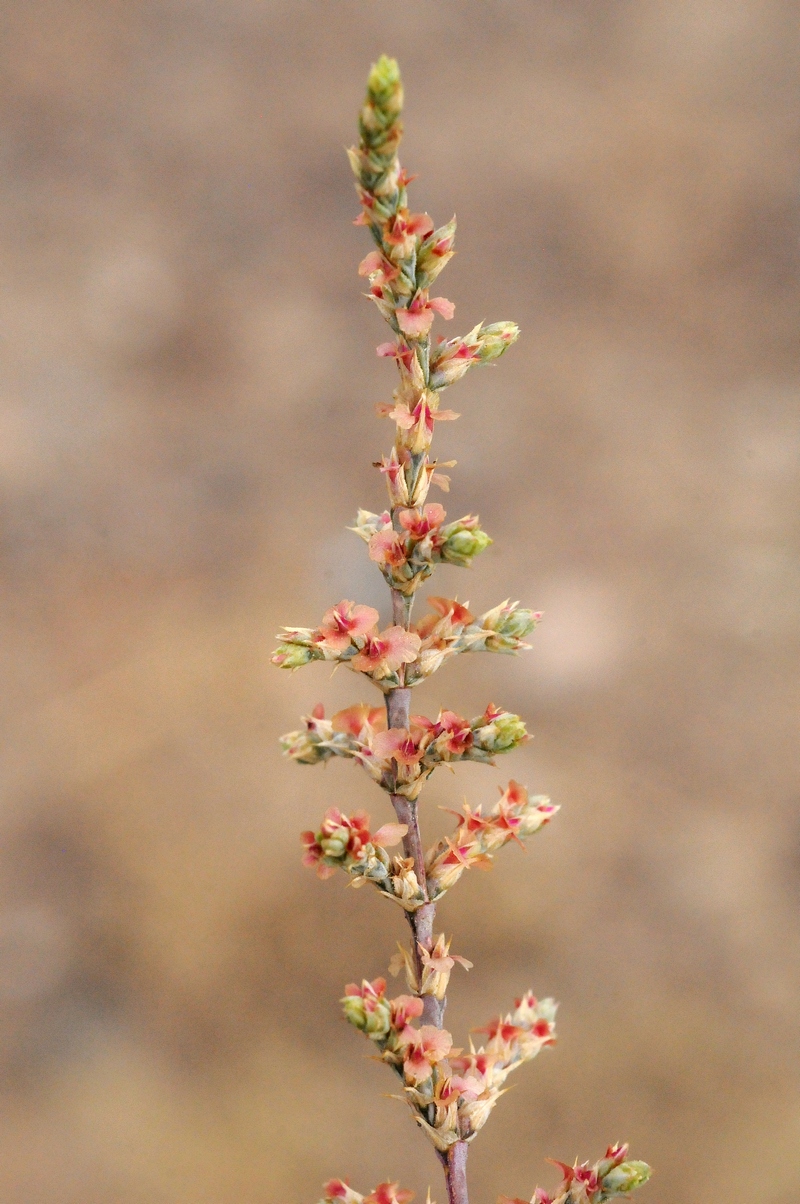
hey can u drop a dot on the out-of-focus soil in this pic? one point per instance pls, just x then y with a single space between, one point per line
188 427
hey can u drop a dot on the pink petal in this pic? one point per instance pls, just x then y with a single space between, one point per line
442 306
420 223
370 263
390 834
387 743
388 350
402 417
403 646
414 324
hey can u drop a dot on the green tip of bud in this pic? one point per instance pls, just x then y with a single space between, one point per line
384 79
495 339
292 656
626 1177
509 731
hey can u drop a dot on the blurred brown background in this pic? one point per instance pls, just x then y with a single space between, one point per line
187 429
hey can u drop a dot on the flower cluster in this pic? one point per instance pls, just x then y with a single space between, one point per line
400 759
338 1191
614 1175
348 635
450 1092
409 254
516 816
407 549
345 842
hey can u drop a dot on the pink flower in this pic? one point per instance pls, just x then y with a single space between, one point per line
419 524
389 1193
387 547
384 653
398 744
417 319
420 420
404 229
360 720
344 621
371 992
427 1047
338 1190
405 1008
376 263
453 734
394 471
398 351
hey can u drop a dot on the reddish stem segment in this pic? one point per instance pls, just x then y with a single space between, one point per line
398 707
455 1172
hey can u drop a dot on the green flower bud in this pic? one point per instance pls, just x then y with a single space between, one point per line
495 339
509 732
293 656
334 844
464 539
502 734
509 624
374 1021
625 1177
354 1011
304 748
384 86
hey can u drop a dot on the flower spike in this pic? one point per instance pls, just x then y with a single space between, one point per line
450 1091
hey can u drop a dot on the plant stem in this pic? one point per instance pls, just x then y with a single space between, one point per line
398 707
455 1172
398 703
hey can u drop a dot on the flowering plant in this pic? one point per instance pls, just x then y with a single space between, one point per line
450 1091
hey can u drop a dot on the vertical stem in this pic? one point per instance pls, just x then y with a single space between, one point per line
398 709
455 1172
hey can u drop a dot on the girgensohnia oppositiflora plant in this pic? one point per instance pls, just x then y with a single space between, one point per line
450 1091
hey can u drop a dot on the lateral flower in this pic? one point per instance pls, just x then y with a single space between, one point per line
349 635
423 1049
516 817
416 319
583 1183
407 556
345 842
381 655
452 358
436 966
343 623
338 1191
367 1008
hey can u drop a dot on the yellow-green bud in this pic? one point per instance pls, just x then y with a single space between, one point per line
463 541
293 656
375 1022
501 735
495 339
625 1177
384 86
